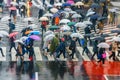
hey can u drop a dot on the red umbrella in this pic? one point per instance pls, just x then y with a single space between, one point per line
13 34
13 8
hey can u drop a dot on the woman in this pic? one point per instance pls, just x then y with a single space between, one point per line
101 52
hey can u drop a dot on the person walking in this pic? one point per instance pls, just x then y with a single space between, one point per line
11 26
22 11
12 43
13 13
72 47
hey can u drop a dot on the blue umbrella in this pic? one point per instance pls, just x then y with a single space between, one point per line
95 16
115 31
95 5
66 4
102 0
34 33
56 15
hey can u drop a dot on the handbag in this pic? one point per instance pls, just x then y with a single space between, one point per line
104 55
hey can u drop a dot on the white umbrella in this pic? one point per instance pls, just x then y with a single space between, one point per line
90 13
43 19
48 33
22 3
72 12
28 19
19 41
65 28
116 39
4 33
14 3
5 18
23 38
64 21
80 24
87 22
58 4
79 3
33 26
48 15
49 37
103 45
76 16
67 9
77 35
112 10
1 35
54 10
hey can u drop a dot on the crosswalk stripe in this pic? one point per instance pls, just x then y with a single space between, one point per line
38 54
50 58
85 57
4 52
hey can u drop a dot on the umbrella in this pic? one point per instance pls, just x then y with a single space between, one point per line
103 45
65 21
76 16
34 33
34 37
58 4
118 26
14 3
112 10
28 32
70 2
19 41
48 33
48 15
28 19
1 35
116 39
102 18
23 38
99 38
13 8
90 13
54 10
105 35
80 24
115 31
102 0
13 34
4 33
49 37
43 19
22 3
5 18
89 35
65 28
73 12
95 5
66 4
67 9
56 15
53 27
79 4
71 23
87 22
77 35
95 16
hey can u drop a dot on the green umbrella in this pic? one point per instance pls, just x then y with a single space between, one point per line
53 27
71 23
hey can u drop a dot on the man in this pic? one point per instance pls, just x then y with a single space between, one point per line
11 26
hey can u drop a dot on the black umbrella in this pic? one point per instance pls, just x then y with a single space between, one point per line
105 35
102 18
115 31
99 38
95 5
89 35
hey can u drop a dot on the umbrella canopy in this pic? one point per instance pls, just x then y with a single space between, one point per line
13 8
112 10
22 3
118 26
54 10
76 16
34 33
87 22
73 12
14 3
80 24
95 16
43 19
4 33
48 33
102 18
77 35
68 9
116 39
1 35
115 31
34 37
66 4
13 34
99 38
103 45
19 41
58 4
48 15
49 37
23 38
71 23
70 2
65 21
95 5
5 18
28 32
90 13
28 19
53 27
79 3
65 28
56 15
